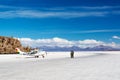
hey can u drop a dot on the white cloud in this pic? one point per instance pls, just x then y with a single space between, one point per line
63 42
98 31
63 8
90 41
41 14
116 37
54 14
45 42
99 7
58 12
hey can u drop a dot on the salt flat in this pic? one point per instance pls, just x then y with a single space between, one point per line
97 65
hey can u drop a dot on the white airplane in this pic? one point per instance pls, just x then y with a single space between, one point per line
36 53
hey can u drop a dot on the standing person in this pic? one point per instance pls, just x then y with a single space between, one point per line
72 54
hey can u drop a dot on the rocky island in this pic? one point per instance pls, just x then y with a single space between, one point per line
8 45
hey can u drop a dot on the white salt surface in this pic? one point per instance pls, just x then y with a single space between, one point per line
94 65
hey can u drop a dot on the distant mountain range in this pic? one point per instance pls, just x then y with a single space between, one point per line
75 48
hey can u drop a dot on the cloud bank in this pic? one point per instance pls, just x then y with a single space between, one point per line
60 42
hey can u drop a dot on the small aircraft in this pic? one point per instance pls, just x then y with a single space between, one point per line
36 53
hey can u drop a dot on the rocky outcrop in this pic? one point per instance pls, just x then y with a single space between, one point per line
8 45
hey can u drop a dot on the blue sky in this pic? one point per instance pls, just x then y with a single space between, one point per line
72 20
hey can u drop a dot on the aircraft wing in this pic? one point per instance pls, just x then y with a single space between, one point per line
32 52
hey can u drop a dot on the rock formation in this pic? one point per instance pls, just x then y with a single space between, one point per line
8 45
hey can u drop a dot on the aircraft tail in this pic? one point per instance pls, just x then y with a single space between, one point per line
19 51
